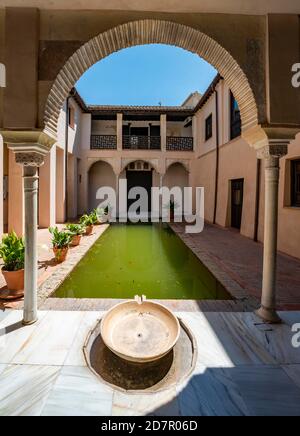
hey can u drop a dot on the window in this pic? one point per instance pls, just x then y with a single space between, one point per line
208 127
71 116
235 118
296 183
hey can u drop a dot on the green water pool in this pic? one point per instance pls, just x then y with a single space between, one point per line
148 259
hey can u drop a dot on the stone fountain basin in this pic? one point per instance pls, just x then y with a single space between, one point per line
140 331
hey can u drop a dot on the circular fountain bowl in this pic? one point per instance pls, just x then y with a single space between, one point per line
140 331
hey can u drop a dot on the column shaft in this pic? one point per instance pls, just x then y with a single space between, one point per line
30 175
268 302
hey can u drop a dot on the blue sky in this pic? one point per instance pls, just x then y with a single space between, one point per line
146 75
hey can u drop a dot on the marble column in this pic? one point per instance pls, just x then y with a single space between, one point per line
30 163
271 156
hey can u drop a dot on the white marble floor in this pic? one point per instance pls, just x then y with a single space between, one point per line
243 368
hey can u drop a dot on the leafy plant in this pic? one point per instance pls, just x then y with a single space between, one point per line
60 239
75 229
96 215
12 251
89 220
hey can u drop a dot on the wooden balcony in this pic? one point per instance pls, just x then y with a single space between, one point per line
141 142
132 142
180 143
103 142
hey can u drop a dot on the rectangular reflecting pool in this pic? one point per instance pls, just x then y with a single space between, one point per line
148 259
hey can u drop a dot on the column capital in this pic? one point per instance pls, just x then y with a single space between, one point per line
28 153
30 147
32 159
275 149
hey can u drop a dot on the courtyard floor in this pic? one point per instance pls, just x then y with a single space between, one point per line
243 368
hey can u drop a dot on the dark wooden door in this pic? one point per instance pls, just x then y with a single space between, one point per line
142 179
237 194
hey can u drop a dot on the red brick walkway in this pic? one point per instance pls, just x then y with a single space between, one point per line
242 259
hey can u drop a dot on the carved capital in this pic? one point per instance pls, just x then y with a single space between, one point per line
30 159
275 149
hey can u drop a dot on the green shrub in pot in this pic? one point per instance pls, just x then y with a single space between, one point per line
12 252
61 240
76 231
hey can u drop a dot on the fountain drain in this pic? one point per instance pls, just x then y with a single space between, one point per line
131 376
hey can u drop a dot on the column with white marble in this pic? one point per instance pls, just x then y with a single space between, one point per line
30 163
271 155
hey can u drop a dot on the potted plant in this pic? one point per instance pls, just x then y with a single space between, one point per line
89 221
12 251
60 242
76 231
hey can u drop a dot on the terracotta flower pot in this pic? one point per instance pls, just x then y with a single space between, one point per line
15 283
60 254
89 230
76 240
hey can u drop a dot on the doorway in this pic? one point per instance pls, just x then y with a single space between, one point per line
141 179
237 194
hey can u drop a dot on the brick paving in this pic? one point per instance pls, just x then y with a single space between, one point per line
242 260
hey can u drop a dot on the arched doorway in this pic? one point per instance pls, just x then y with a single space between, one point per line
140 174
100 174
177 176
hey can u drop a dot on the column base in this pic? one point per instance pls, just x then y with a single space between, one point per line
26 323
269 316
